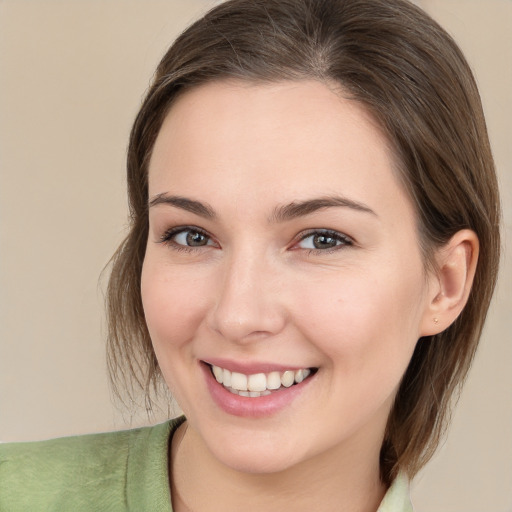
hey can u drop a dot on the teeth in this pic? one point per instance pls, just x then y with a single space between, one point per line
288 378
238 380
258 384
218 372
274 380
249 393
226 378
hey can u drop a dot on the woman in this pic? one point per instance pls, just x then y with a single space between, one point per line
313 249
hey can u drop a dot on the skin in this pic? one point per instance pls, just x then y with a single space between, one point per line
260 291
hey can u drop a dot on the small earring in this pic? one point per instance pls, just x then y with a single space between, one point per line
436 320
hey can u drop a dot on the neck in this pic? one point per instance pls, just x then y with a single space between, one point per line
345 480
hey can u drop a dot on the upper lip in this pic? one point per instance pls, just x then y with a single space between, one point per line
251 367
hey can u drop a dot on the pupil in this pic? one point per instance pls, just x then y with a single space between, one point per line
323 241
196 239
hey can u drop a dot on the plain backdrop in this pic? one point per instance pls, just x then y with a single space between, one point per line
72 75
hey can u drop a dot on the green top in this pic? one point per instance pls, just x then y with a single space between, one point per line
116 471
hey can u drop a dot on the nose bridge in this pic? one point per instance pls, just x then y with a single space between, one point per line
247 303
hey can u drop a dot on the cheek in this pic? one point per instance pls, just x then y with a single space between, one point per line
366 324
174 303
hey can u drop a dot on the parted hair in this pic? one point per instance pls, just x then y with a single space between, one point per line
411 76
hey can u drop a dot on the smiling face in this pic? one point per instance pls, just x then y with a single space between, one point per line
280 240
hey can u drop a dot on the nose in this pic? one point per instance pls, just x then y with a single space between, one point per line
248 303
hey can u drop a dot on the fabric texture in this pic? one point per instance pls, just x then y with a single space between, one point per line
397 499
111 472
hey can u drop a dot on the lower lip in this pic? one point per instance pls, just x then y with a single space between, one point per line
252 407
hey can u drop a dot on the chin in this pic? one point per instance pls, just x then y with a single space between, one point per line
256 452
256 462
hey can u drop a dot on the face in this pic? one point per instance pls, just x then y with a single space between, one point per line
282 263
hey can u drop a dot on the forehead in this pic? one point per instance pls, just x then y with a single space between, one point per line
291 139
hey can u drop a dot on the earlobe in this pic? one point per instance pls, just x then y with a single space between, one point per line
456 265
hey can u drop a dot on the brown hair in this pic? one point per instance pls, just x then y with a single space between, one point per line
393 58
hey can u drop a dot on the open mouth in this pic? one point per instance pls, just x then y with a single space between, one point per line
259 384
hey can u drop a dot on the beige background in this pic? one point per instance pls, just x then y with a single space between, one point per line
72 74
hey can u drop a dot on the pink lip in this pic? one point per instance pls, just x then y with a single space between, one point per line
248 368
251 407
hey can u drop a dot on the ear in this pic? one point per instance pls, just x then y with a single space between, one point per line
450 285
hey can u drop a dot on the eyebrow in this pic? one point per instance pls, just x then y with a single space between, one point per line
303 208
280 214
201 209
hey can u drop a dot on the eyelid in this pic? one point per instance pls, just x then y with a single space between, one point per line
166 237
346 240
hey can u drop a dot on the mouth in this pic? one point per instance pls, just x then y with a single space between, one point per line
257 385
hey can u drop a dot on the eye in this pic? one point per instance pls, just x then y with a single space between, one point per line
191 238
323 241
187 237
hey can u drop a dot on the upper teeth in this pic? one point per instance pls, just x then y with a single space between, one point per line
258 383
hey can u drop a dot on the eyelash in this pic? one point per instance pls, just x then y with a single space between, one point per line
345 241
167 239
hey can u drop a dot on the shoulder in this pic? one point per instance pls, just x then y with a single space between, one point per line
108 470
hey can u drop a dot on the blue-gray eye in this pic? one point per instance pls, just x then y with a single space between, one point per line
320 240
191 238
